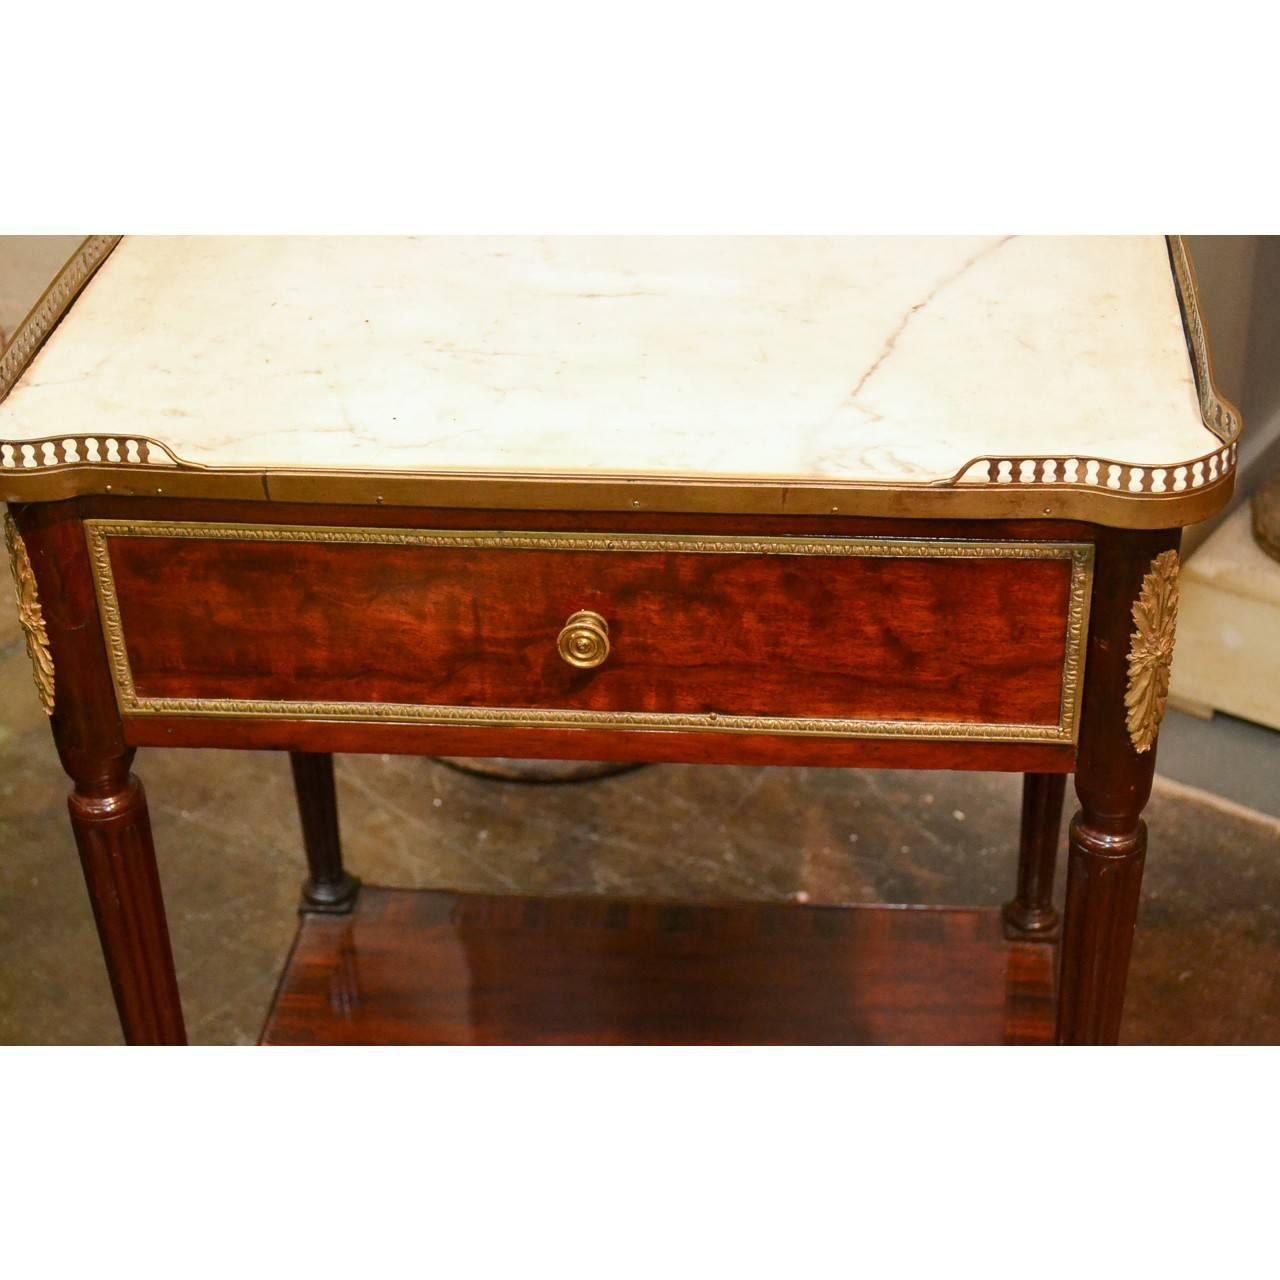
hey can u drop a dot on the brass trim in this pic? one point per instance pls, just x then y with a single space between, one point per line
98 534
1155 615
1218 413
655 494
52 305
30 614
1099 490
1078 606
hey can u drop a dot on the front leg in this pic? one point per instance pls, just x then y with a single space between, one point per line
1126 682
113 834
108 808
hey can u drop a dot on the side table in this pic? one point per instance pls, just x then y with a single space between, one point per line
800 501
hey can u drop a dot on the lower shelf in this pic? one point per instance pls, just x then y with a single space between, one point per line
419 967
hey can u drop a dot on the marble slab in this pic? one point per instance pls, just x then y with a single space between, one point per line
833 359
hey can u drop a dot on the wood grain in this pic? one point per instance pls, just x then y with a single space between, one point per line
440 968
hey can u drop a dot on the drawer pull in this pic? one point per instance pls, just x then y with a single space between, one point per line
584 640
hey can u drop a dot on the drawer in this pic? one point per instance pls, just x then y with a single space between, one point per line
857 637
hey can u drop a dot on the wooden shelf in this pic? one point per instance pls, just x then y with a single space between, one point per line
414 967
434 968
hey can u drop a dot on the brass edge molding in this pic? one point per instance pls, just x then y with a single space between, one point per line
99 532
52 305
638 721
556 540
30 614
1155 617
670 495
1075 648
104 585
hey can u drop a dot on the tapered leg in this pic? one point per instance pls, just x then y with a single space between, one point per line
1031 913
1130 645
113 834
59 612
329 889
1104 881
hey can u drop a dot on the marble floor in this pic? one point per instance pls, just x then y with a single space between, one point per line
1206 965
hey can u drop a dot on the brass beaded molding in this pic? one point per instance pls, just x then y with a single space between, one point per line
1146 495
99 534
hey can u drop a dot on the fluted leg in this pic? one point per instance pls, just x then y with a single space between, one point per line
1104 881
1115 763
329 889
113 834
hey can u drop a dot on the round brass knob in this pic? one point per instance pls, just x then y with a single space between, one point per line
584 640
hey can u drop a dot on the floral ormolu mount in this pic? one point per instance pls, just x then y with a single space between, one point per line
1155 615
30 614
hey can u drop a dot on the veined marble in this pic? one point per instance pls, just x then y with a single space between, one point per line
834 359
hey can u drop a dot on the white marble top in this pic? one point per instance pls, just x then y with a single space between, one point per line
833 359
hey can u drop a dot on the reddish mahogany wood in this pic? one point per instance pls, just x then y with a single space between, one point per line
577 744
441 968
329 887
1031 913
108 808
113 835
1108 838
975 641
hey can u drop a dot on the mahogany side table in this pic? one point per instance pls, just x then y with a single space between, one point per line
842 502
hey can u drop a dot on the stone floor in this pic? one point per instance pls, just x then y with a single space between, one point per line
1206 964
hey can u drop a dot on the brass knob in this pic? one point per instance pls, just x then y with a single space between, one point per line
584 640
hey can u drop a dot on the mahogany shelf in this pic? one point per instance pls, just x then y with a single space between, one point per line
428 967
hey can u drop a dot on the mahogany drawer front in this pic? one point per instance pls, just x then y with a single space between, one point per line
826 636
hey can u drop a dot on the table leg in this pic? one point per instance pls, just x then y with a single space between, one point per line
59 611
1115 763
329 888
1031 914
113 834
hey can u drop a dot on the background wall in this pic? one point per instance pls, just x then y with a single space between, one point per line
1240 294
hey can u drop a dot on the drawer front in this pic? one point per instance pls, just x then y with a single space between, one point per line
858 637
